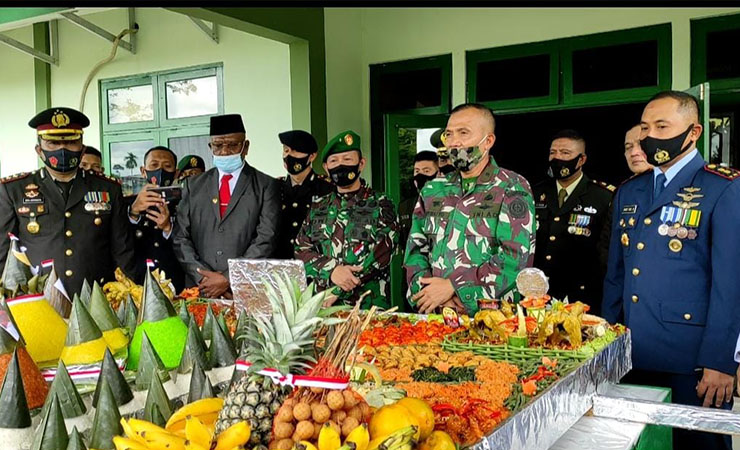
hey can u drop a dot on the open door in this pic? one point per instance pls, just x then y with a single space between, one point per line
701 92
405 135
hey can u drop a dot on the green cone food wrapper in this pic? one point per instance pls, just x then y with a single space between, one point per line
221 352
13 406
111 373
52 435
151 365
157 396
107 422
75 441
194 351
200 385
63 391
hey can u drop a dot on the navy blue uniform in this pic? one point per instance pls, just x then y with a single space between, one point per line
673 278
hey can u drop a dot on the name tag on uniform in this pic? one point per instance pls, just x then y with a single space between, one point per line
629 209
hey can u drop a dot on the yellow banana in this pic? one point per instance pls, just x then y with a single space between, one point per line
234 436
130 433
329 439
197 433
157 440
123 443
304 445
209 420
189 445
360 437
140 426
197 408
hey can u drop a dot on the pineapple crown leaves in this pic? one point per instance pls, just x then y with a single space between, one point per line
265 350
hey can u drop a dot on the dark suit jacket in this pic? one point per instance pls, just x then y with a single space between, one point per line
574 261
678 295
202 239
150 243
88 236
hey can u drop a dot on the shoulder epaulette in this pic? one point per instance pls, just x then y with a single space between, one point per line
724 172
104 177
607 186
14 177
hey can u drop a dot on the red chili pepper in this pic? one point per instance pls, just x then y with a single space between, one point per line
444 409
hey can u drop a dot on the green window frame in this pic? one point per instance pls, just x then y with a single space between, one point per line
160 129
475 57
377 133
700 28
561 69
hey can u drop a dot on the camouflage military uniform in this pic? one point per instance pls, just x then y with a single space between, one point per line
479 239
359 228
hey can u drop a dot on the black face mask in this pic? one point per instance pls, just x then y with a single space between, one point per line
62 160
661 151
344 176
160 177
560 169
449 168
296 165
420 180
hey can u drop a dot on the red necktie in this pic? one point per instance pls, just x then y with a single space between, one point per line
224 194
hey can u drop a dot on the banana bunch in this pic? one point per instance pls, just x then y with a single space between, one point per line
116 291
402 439
329 439
186 432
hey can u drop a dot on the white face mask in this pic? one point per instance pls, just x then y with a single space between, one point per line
229 163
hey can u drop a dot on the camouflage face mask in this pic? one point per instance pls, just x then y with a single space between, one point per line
465 158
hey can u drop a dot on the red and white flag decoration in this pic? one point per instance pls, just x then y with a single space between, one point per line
47 263
13 237
296 380
150 263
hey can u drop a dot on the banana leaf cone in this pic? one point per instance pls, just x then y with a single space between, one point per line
184 313
222 352
111 373
222 323
121 312
156 417
106 319
155 305
52 434
200 385
200 333
85 292
194 351
75 441
150 365
13 406
17 271
7 342
5 312
132 315
107 422
84 343
157 397
64 392
208 322
55 297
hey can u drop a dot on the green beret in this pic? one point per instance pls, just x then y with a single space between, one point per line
343 142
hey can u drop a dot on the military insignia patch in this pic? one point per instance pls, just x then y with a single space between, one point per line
348 140
542 197
724 172
564 172
24 210
590 210
351 175
193 162
31 187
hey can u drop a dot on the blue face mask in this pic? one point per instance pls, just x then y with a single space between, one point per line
228 163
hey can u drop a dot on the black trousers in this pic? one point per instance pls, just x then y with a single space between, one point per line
683 389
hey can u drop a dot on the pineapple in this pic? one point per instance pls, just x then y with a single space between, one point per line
283 342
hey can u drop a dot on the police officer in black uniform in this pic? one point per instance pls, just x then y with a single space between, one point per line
152 215
61 212
571 212
299 189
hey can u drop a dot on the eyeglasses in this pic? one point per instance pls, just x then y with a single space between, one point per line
219 146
